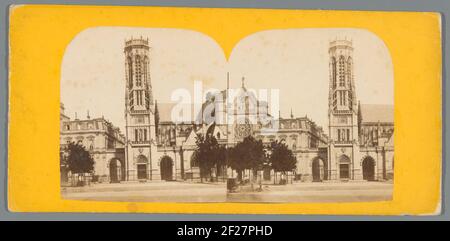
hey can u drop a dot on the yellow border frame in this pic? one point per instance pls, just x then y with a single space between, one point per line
39 35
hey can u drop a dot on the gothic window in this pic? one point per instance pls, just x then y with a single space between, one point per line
339 135
136 135
334 99
138 101
348 135
147 99
333 71
91 142
131 99
341 71
138 71
350 97
294 143
349 70
138 97
145 134
343 98
141 135
145 68
130 72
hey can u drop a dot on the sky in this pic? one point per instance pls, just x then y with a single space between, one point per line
294 61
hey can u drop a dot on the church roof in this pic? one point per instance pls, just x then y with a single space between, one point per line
377 113
165 111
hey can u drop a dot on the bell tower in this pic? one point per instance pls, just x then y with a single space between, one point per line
342 112
139 110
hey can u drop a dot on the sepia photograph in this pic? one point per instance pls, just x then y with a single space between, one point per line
163 115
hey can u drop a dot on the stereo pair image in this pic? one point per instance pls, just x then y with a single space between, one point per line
296 115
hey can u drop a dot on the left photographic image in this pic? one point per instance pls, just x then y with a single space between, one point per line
130 122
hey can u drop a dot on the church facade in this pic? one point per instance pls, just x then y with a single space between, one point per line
359 144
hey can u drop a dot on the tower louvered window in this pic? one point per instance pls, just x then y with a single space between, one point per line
341 71
145 70
138 71
130 72
333 71
349 71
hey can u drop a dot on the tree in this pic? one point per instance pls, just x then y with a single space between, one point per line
79 160
221 159
281 158
63 167
248 154
206 154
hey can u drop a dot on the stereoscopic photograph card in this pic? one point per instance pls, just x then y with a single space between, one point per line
195 110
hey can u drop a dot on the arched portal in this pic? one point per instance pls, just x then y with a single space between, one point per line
166 165
368 167
141 166
318 170
115 170
344 167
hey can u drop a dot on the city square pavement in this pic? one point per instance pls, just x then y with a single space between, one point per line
176 191
353 191
154 191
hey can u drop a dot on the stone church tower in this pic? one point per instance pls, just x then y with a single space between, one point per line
139 112
342 114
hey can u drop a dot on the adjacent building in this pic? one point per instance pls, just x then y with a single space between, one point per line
101 138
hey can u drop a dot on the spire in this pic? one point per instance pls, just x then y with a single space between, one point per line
359 116
243 82
292 115
88 117
76 117
156 118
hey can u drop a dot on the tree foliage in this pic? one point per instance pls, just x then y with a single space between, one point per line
208 154
79 160
248 154
281 158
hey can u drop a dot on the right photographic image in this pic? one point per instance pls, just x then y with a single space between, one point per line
309 117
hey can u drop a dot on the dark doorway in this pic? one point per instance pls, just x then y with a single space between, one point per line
344 171
344 167
114 171
142 171
166 168
142 163
318 170
368 166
